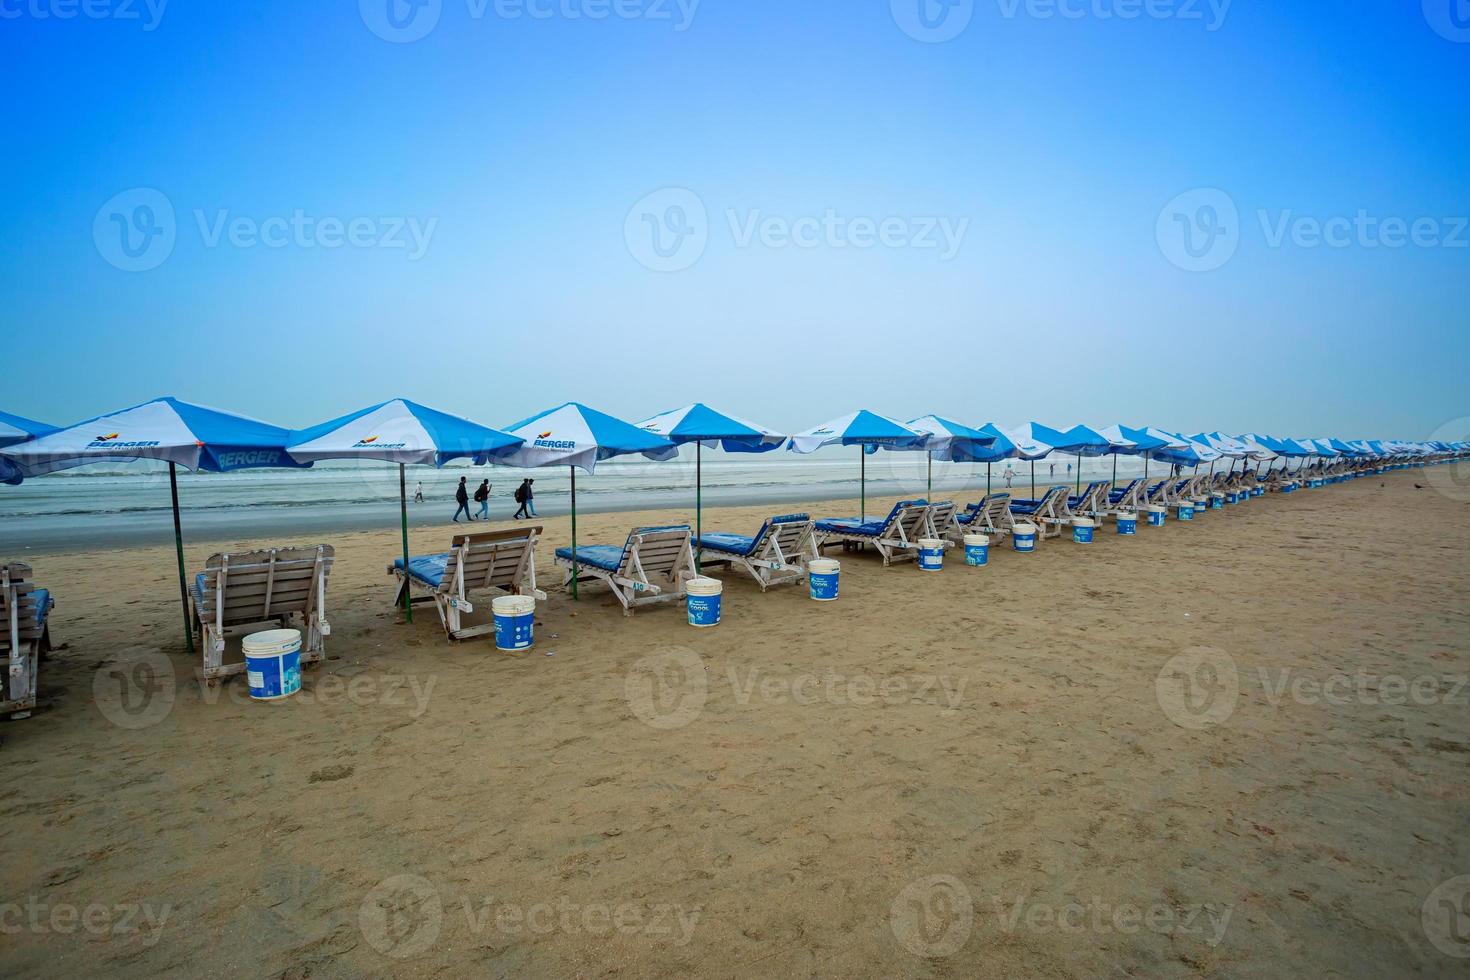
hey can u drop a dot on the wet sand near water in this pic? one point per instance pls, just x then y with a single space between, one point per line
1232 748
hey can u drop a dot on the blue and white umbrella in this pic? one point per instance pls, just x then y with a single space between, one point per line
575 436
15 429
861 428
402 432
703 426
950 442
166 429
1035 441
1000 448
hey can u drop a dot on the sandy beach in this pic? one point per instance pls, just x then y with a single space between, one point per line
1231 748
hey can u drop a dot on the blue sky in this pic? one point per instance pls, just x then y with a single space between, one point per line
851 214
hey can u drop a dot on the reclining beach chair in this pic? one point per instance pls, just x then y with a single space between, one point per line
24 637
941 521
655 564
252 588
992 516
1130 499
1091 502
503 560
777 554
896 537
1049 514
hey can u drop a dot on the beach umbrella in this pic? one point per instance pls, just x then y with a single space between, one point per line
1128 441
1034 441
950 442
861 428
15 429
1080 441
575 436
402 432
703 426
165 429
1000 448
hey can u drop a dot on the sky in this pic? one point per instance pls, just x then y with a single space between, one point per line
1193 214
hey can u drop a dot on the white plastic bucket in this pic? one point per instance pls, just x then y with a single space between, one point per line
822 576
273 664
1127 524
1082 529
977 550
1158 515
704 599
515 621
931 555
1023 537
1217 501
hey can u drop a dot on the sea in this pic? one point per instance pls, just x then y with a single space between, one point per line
129 503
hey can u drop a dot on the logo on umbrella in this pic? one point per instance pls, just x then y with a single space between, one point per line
107 438
368 440
542 442
371 442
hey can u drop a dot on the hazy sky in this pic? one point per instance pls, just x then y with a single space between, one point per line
1245 216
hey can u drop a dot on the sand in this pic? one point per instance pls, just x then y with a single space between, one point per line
1232 748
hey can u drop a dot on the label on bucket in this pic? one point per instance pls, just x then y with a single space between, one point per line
977 554
704 610
823 585
514 632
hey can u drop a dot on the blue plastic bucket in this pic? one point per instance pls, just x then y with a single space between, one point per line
977 550
1185 512
515 621
931 555
1023 538
704 598
1258 491
1232 498
1127 524
1082 529
1216 501
822 575
1158 515
273 664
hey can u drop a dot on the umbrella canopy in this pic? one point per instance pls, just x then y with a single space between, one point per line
401 431
1257 446
1193 454
16 429
953 442
1144 442
1080 440
575 435
1000 448
712 430
860 428
191 436
1227 446
1030 441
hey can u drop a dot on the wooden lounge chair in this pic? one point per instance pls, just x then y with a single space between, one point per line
273 586
1128 500
654 565
1049 513
992 516
895 537
1091 502
503 560
941 521
24 637
777 554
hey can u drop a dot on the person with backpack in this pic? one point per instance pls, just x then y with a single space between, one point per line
482 497
523 497
462 497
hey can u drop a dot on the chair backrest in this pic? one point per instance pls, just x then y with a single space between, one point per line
253 586
903 508
657 551
1093 497
1053 502
19 617
494 559
908 522
785 532
940 518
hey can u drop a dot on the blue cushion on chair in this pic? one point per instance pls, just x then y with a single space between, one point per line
605 556
734 544
43 605
428 569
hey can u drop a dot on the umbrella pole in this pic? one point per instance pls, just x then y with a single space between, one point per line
575 569
1079 474
1033 479
863 483
698 502
403 515
929 492
1112 485
173 486
987 479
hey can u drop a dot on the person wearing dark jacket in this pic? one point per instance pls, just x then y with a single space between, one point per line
462 495
523 497
482 497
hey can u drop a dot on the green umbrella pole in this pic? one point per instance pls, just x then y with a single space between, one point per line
698 502
403 515
1112 486
929 490
173 486
575 569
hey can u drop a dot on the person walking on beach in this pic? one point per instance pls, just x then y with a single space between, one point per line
523 497
462 496
482 497
1009 474
531 497
418 493
1053 472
